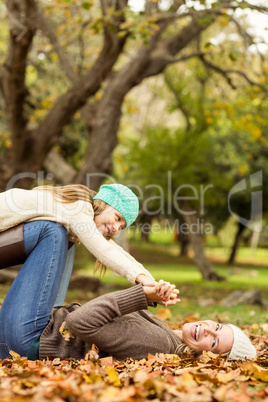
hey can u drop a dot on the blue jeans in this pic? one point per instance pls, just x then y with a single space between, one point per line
40 285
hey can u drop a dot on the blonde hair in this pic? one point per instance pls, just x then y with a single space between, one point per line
78 192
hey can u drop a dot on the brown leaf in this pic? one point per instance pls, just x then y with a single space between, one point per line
107 361
164 313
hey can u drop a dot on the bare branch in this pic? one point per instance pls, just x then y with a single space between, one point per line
82 44
64 61
177 96
187 57
165 49
226 74
243 33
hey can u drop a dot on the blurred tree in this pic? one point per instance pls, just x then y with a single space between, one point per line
223 139
62 57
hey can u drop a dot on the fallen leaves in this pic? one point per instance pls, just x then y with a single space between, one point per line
161 377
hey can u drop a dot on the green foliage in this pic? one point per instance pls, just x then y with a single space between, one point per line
220 139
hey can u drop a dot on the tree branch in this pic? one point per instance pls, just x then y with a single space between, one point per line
63 59
84 87
183 109
226 74
243 33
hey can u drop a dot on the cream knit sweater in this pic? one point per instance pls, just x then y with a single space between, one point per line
17 206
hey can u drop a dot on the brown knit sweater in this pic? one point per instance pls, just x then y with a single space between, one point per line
116 323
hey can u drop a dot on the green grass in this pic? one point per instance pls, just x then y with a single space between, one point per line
244 255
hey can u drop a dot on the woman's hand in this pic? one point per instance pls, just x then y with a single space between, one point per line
162 293
166 290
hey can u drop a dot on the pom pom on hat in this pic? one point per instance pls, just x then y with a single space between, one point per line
242 346
120 198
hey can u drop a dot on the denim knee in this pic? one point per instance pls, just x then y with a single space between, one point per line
57 229
38 230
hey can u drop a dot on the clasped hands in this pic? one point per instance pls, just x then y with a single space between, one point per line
161 292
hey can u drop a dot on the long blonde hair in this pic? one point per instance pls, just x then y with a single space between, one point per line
78 192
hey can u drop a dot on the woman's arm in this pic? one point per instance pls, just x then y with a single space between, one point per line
108 323
87 321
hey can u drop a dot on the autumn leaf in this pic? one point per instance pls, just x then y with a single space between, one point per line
67 335
113 377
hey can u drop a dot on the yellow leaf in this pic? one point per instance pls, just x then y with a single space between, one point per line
243 169
187 381
67 335
262 376
92 378
209 120
224 378
254 326
255 370
113 377
256 132
14 355
98 95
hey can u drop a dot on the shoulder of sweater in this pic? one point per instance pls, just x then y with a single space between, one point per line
45 198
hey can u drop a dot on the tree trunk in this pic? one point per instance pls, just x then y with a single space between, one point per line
184 241
197 243
146 222
240 230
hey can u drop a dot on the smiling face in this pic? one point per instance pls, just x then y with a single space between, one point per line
208 335
109 221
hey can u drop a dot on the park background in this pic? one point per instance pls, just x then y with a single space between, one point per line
167 97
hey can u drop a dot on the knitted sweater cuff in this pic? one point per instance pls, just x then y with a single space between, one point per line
136 300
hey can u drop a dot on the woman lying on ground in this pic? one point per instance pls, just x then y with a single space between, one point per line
117 323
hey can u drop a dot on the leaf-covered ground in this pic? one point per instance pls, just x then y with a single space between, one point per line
157 378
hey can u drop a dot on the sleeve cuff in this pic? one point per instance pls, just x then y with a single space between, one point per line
132 299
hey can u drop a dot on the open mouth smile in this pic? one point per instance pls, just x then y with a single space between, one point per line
196 332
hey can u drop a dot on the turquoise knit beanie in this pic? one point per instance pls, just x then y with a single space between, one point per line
120 198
